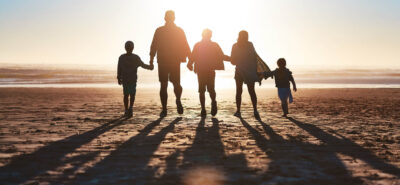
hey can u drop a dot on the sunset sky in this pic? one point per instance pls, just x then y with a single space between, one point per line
346 33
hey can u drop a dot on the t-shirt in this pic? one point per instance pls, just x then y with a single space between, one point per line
170 44
244 56
207 56
282 77
127 67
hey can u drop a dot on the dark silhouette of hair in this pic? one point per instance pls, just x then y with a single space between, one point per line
169 16
243 36
281 63
129 46
207 34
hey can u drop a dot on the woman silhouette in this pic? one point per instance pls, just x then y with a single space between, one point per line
244 56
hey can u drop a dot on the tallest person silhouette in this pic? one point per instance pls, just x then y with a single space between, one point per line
172 48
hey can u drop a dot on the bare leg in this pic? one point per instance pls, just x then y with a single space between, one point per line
252 92
239 90
178 94
132 100
164 95
285 107
178 90
213 95
126 102
202 100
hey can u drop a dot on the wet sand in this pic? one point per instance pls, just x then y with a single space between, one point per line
77 136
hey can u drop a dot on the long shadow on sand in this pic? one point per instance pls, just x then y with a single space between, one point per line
27 166
347 147
128 163
294 162
203 158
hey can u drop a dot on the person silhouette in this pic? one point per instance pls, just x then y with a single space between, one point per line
170 45
128 65
207 57
244 56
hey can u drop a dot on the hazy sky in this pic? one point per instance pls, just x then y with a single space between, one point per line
305 32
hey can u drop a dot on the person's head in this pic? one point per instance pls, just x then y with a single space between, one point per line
243 36
169 16
129 46
281 63
207 33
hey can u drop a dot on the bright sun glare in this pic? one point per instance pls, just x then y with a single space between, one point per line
194 17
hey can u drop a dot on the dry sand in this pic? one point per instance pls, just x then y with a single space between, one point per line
76 136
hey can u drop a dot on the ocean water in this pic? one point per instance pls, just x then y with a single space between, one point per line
39 76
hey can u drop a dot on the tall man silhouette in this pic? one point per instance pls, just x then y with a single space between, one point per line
171 47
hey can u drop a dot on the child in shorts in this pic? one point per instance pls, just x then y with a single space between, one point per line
282 78
128 64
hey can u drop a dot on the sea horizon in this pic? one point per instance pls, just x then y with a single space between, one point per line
36 75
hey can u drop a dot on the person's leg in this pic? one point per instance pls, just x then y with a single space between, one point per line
213 94
126 96
239 90
164 95
253 96
132 100
202 92
282 93
132 94
284 107
163 78
175 78
177 91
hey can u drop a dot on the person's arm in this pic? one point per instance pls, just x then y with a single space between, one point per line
119 75
233 55
269 74
186 47
291 79
145 66
222 55
192 58
154 47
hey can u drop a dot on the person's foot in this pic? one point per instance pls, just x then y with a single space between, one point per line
163 113
257 115
130 112
284 115
214 108
179 106
126 113
238 114
203 113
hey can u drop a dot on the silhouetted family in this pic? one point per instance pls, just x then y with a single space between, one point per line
171 47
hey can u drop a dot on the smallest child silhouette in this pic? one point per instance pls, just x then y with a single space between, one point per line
282 78
128 64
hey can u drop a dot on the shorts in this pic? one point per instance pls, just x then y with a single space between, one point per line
206 81
285 94
169 71
129 88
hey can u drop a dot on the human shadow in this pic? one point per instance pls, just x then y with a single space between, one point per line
345 146
294 162
27 166
128 163
207 147
206 153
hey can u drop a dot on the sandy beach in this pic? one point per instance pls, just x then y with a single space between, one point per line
77 136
